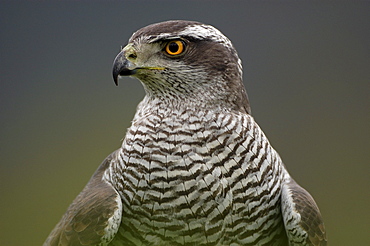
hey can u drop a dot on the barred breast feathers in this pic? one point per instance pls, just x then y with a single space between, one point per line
209 131
183 157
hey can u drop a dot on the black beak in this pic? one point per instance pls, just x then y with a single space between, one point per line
122 67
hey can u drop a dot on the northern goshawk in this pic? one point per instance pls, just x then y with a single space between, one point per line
194 167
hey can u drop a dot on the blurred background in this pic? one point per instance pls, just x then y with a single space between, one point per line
306 69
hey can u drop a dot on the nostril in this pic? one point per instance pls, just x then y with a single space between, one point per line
133 56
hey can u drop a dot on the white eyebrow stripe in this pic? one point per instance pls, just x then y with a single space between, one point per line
206 32
200 32
152 39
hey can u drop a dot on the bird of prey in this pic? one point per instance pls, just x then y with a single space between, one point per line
194 167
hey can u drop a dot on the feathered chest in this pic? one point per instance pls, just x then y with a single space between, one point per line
183 148
169 156
190 173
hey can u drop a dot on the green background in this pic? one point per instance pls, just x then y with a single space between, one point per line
306 69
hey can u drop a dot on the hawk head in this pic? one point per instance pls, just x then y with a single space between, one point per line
185 61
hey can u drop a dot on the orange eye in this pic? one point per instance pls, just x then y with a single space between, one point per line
175 47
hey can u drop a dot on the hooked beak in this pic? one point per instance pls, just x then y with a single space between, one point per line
122 67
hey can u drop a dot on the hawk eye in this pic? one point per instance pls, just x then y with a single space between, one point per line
175 47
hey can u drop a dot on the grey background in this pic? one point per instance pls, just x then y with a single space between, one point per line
306 69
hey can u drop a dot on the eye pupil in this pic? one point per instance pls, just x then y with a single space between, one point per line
173 47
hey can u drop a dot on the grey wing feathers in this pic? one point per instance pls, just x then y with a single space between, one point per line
94 216
302 218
